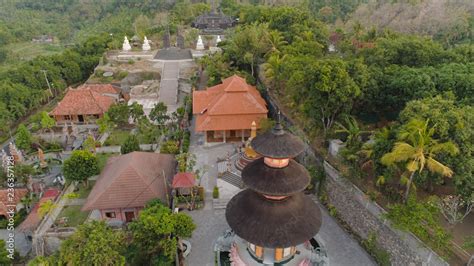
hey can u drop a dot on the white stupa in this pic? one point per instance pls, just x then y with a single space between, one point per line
200 44
218 40
146 45
126 45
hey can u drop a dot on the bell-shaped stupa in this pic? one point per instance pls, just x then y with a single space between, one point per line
126 45
146 45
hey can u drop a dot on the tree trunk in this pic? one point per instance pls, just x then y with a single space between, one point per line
407 192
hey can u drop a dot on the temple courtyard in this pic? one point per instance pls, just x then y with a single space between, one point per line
342 248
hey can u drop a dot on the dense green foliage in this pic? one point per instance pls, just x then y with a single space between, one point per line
156 231
131 144
421 219
94 243
80 166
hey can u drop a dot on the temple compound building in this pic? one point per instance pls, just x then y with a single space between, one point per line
213 22
273 222
226 111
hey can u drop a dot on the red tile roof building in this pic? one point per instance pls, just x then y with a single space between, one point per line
6 199
226 111
87 102
128 182
33 219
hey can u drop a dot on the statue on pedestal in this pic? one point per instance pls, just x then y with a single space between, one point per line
200 44
42 162
126 45
249 153
218 40
146 45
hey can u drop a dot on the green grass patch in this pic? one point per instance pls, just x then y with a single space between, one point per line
74 215
83 192
117 137
103 157
26 51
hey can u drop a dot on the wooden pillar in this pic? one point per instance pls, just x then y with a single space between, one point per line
223 131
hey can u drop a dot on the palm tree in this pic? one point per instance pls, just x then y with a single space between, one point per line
276 41
273 69
351 129
417 148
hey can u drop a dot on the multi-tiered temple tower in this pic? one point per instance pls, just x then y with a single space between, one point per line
273 215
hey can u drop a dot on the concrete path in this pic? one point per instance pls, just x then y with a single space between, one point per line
211 223
343 250
168 93
22 244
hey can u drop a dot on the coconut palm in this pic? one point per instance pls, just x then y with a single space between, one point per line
276 42
417 147
351 129
273 69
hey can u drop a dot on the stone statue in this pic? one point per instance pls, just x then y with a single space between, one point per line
43 163
218 40
126 45
146 45
200 44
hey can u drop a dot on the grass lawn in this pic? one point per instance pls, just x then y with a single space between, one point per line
74 215
117 137
103 157
83 192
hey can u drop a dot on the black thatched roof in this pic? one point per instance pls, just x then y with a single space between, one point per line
273 224
277 143
275 181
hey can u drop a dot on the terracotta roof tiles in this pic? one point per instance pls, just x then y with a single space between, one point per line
232 105
131 180
88 99
19 193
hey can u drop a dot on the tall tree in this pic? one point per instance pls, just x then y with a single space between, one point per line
156 231
80 166
323 89
131 144
136 111
416 147
23 138
119 113
47 123
94 243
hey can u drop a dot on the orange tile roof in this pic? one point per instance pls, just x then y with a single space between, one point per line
184 180
131 180
19 193
33 219
232 105
87 99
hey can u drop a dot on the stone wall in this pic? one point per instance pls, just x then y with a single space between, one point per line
364 217
359 213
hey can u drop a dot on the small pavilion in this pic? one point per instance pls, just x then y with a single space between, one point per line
184 183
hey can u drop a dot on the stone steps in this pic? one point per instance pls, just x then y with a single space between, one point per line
219 204
232 179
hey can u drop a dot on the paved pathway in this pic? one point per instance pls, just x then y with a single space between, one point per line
22 244
168 93
211 223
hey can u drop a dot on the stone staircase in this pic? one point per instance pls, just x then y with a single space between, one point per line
219 204
233 179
